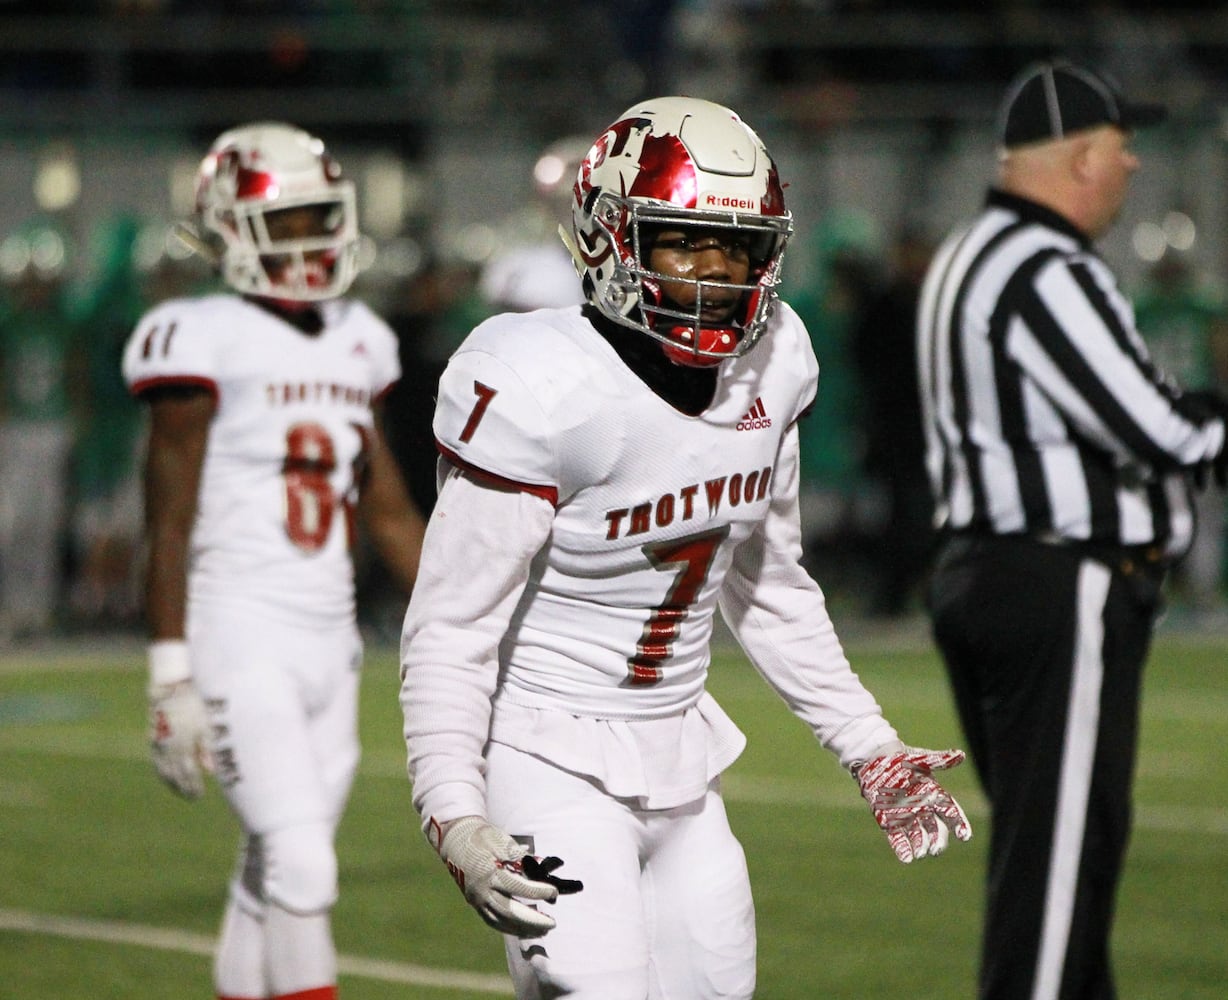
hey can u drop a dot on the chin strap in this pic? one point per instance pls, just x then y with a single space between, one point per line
576 260
190 238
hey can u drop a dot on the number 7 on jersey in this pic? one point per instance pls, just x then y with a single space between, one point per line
485 394
690 559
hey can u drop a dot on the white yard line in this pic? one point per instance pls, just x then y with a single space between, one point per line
169 939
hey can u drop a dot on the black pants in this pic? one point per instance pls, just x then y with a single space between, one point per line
1044 648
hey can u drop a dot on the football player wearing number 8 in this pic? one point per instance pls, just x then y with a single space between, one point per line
611 474
265 455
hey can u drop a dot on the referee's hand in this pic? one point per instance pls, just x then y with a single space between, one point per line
1210 405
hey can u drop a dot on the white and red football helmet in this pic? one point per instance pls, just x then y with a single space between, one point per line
255 171
678 162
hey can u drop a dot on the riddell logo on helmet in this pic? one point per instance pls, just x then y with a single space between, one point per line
755 419
729 201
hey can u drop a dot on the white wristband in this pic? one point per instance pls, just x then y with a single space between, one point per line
168 662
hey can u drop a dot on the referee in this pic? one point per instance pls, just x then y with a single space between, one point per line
1060 460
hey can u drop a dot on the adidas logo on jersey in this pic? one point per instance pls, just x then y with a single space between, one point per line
755 418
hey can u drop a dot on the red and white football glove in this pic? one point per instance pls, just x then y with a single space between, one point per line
492 869
915 812
178 724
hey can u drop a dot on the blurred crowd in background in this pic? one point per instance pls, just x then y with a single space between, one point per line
73 284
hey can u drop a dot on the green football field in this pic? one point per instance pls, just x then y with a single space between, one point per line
111 888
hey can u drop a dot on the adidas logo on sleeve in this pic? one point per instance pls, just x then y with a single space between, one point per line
755 418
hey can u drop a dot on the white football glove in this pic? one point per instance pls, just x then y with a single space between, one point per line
915 812
178 723
492 869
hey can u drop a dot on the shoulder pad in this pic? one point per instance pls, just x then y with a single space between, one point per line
489 420
177 342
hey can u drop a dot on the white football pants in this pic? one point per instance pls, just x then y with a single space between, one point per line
666 910
282 705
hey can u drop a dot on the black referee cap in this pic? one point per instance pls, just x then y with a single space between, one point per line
1051 100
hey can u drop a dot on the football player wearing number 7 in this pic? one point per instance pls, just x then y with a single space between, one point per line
265 456
611 475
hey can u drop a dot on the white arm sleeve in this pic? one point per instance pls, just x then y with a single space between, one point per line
479 544
779 615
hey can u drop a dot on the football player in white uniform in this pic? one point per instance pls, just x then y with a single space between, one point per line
265 453
612 474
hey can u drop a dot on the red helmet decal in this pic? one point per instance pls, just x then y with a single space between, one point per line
773 202
611 142
594 251
667 172
240 180
255 184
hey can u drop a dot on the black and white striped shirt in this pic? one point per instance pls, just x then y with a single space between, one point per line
1043 413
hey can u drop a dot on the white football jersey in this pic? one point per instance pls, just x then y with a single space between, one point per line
650 503
286 446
